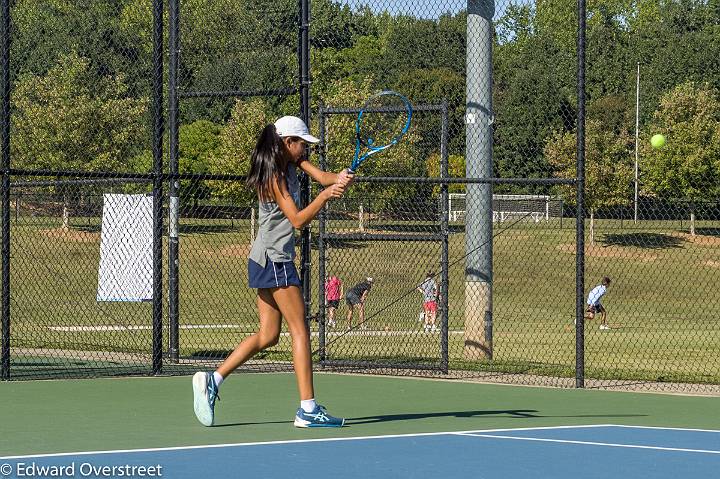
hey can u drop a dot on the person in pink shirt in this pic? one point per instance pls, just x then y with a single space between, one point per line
333 293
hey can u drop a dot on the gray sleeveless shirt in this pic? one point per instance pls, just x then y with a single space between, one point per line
276 236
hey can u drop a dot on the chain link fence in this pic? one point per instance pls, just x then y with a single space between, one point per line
468 228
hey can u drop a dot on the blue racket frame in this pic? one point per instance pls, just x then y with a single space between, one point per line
372 149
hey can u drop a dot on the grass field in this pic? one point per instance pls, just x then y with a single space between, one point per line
662 303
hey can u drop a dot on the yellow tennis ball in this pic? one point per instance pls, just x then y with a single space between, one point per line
657 141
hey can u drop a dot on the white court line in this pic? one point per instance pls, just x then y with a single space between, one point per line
669 428
590 443
297 441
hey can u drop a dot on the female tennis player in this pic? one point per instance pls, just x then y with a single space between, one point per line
279 151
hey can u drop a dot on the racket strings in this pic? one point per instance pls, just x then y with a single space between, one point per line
382 121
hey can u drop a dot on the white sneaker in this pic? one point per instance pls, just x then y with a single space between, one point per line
205 392
604 327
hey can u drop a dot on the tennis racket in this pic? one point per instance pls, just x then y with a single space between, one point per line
382 121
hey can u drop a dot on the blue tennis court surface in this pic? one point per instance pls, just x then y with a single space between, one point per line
554 452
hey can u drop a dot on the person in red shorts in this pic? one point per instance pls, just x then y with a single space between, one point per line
429 290
333 293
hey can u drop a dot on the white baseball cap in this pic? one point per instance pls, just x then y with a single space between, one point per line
294 126
369 279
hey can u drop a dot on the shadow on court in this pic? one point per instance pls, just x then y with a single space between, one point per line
519 413
513 413
239 424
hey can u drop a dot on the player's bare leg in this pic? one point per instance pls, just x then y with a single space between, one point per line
603 319
331 317
349 316
361 314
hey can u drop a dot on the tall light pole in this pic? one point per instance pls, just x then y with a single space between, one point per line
637 136
479 164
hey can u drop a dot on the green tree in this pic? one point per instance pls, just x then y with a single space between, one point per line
431 86
413 43
237 140
114 35
675 41
608 167
70 119
359 62
335 25
534 86
198 143
609 41
396 161
688 166
422 58
456 169
246 45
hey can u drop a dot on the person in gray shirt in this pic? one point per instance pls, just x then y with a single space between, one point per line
355 299
429 290
279 152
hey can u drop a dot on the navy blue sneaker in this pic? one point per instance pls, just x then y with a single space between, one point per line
205 391
318 418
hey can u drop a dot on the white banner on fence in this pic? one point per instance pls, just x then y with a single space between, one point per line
126 241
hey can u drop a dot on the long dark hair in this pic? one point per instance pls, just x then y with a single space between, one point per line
268 162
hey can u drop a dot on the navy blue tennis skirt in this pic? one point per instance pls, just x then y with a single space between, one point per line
273 275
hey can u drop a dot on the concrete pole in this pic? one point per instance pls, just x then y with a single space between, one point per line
479 164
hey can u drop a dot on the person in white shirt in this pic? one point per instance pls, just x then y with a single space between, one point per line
594 305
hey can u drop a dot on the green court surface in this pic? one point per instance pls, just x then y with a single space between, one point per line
40 417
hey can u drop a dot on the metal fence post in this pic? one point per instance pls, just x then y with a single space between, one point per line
5 147
322 217
445 254
158 129
304 61
580 219
174 210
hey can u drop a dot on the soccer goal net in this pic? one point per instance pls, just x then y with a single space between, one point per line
535 207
